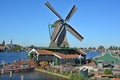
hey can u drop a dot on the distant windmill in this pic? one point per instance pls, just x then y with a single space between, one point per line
58 36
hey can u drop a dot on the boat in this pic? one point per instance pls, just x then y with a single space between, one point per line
16 69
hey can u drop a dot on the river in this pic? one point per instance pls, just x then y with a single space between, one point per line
10 57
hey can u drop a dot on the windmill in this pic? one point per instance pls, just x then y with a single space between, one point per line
58 35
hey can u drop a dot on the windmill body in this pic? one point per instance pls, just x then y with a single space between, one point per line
58 35
56 27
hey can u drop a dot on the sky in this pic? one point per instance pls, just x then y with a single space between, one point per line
26 21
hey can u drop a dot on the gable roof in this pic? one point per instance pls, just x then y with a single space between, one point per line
57 54
108 57
67 55
43 52
115 78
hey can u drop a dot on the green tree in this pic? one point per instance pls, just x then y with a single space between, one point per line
119 48
90 48
107 71
17 48
94 48
110 48
101 48
3 43
32 46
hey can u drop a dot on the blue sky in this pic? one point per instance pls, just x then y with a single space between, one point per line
26 21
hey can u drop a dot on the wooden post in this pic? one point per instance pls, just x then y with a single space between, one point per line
2 71
11 75
22 77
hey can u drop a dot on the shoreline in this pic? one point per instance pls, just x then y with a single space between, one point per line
55 74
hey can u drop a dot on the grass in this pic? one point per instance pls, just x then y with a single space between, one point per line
63 75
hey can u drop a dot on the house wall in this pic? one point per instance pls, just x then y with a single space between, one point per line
32 55
52 58
64 61
48 58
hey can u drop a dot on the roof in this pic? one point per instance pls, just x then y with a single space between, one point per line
115 78
81 52
2 47
67 55
65 50
60 48
108 57
42 52
57 54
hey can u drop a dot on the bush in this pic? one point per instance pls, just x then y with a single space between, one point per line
107 71
77 76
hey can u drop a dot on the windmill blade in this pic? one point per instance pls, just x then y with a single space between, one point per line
56 30
74 32
60 35
52 9
71 13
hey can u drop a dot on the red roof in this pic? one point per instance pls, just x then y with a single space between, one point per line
46 52
67 55
115 78
42 52
2 47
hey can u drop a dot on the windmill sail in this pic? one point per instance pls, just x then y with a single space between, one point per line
58 37
56 29
61 37
72 11
60 33
74 32
53 10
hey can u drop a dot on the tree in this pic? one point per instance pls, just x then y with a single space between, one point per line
101 48
3 43
94 48
110 48
32 46
17 48
90 48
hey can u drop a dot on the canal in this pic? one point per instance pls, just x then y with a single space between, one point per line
9 57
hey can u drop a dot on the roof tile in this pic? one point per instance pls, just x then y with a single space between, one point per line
46 52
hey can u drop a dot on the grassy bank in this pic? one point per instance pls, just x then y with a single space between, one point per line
52 73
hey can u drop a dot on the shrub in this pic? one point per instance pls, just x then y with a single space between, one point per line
77 76
107 71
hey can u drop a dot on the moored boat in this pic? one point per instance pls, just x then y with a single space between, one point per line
17 69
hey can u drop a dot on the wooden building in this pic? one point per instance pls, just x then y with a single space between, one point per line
56 58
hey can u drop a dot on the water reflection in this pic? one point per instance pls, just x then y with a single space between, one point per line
31 76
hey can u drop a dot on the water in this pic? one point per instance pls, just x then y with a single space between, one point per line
31 76
90 55
9 57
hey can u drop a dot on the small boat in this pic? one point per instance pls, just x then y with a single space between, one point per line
16 69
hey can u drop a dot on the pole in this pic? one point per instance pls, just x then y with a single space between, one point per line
22 77
11 75
2 71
